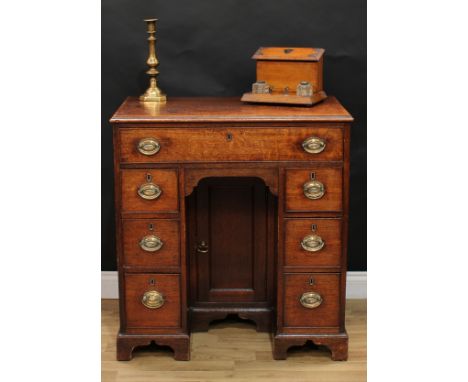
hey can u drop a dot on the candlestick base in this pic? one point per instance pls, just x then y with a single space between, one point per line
153 95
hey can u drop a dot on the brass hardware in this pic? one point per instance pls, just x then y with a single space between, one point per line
152 299
153 93
312 243
260 87
311 281
149 191
311 300
229 137
148 146
202 247
150 226
152 281
314 145
314 189
151 243
304 89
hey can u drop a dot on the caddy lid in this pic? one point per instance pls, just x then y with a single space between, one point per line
288 54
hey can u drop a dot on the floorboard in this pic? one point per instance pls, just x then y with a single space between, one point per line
233 351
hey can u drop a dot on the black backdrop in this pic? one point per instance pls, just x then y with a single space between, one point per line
204 48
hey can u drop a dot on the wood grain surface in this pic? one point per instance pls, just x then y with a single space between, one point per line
235 351
327 314
168 315
231 144
331 178
226 109
167 230
165 179
330 232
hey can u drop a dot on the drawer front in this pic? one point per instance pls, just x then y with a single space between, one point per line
151 242
153 289
312 242
230 144
158 187
327 286
323 185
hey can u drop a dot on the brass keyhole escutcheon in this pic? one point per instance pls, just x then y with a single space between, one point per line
311 300
229 137
152 299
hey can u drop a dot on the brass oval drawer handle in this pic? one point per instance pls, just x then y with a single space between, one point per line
314 189
312 243
314 145
152 299
148 146
151 243
149 191
311 300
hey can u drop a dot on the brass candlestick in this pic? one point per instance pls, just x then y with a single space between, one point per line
153 93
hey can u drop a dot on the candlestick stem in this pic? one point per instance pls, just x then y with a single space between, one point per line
153 93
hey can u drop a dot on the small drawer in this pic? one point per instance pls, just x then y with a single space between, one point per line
314 190
149 191
323 142
152 300
151 242
312 300
312 242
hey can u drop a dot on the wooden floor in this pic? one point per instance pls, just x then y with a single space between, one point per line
233 351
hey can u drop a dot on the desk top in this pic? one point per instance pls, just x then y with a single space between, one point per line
226 109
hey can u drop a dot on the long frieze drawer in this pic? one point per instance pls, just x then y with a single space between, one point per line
152 300
312 242
149 191
230 144
311 190
311 300
151 242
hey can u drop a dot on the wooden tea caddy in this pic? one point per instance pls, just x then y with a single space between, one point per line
288 76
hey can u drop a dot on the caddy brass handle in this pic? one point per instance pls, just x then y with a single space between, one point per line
312 243
148 146
151 243
314 189
149 191
152 299
314 145
311 300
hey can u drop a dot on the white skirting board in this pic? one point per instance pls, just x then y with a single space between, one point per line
356 286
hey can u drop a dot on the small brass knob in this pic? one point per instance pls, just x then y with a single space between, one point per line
149 191
311 300
148 146
312 243
152 299
151 243
314 189
314 145
202 247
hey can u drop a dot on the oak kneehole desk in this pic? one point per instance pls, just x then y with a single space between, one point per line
230 208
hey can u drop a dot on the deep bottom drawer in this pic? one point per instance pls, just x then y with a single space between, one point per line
152 300
311 300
